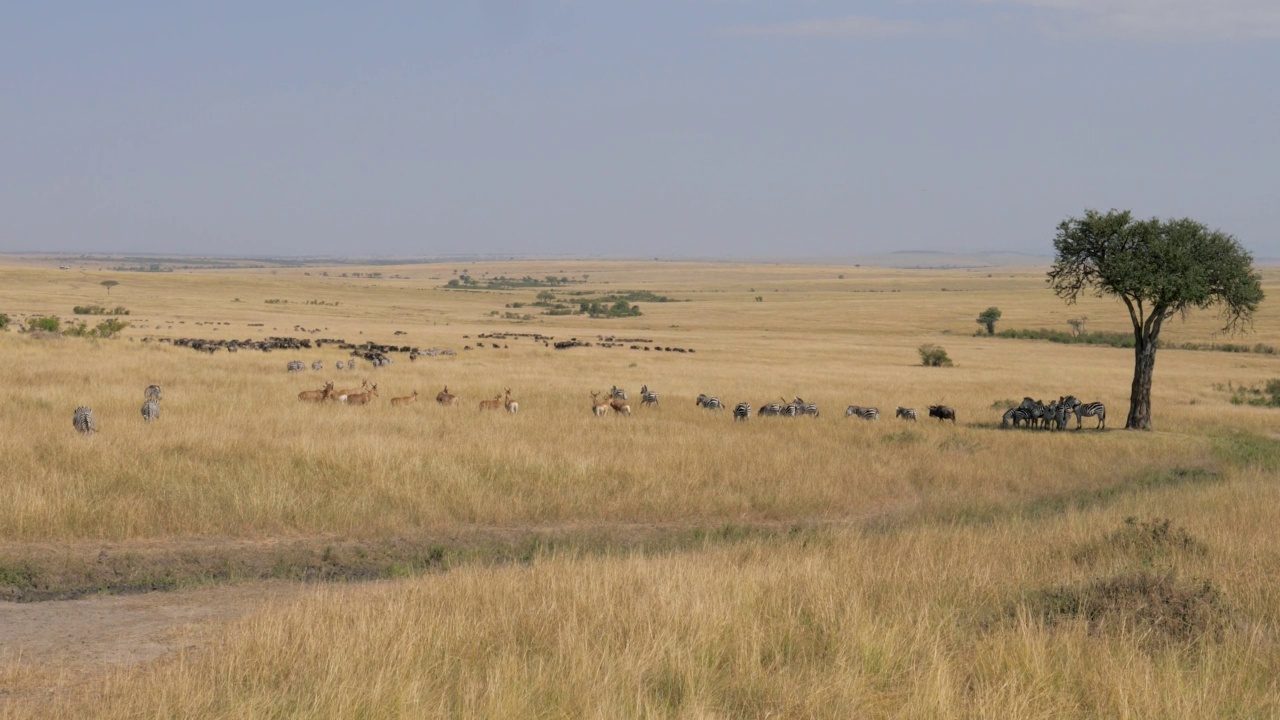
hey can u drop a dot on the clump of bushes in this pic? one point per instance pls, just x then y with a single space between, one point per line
99 310
1142 541
934 356
4 321
104 329
46 324
1265 396
1158 605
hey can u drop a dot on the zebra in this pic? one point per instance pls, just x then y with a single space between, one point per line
339 366
616 392
772 409
1092 409
804 408
83 420
647 396
295 366
741 411
867 413
317 365
905 413
153 392
710 403
151 410
1015 416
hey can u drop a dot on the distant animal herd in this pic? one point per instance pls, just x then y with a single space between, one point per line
1030 413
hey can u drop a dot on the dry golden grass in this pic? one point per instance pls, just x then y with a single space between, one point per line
906 605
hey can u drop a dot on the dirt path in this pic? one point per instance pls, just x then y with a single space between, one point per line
49 647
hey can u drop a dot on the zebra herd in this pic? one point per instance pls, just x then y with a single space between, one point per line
84 423
1036 414
317 365
799 408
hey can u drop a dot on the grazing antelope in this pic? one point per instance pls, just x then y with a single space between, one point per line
406 399
444 397
493 404
599 405
361 398
341 395
511 405
317 395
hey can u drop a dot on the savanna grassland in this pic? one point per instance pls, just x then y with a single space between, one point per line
672 563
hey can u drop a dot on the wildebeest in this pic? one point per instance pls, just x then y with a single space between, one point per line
942 412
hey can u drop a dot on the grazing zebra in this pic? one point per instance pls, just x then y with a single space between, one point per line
1093 409
616 392
942 412
772 409
791 409
905 413
317 365
804 408
741 411
867 413
710 403
83 420
151 410
339 365
296 366
153 392
1015 416
647 396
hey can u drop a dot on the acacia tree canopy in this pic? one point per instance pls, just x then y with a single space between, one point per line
1158 269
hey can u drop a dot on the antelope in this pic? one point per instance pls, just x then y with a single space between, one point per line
493 404
405 400
341 395
444 397
620 406
599 405
511 405
317 395
361 398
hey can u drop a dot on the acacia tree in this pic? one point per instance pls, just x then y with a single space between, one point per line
1159 269
988 319
108 284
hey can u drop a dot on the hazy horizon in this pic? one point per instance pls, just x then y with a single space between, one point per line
677 130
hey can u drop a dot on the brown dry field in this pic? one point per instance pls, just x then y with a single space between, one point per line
669 564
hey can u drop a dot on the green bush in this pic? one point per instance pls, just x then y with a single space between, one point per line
47 324
934 356
4 321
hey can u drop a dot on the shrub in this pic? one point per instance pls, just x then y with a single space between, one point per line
4 321
47 324
108 328
934 356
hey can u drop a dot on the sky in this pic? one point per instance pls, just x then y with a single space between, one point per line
663 128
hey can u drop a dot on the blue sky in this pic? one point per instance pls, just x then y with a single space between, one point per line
693 128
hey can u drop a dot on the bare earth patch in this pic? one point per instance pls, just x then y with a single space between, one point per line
48 647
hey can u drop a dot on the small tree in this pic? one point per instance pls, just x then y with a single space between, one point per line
933 356
988 318
1159 269
108 284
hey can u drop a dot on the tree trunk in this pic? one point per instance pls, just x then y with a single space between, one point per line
1144 362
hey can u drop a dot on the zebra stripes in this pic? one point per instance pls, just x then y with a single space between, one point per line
647 396
296 366
710 403
83 422
317 365
741 411
905 413
770 410
153 392
151 410
866 413
1092 409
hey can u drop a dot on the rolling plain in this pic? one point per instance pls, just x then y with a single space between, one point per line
446 562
